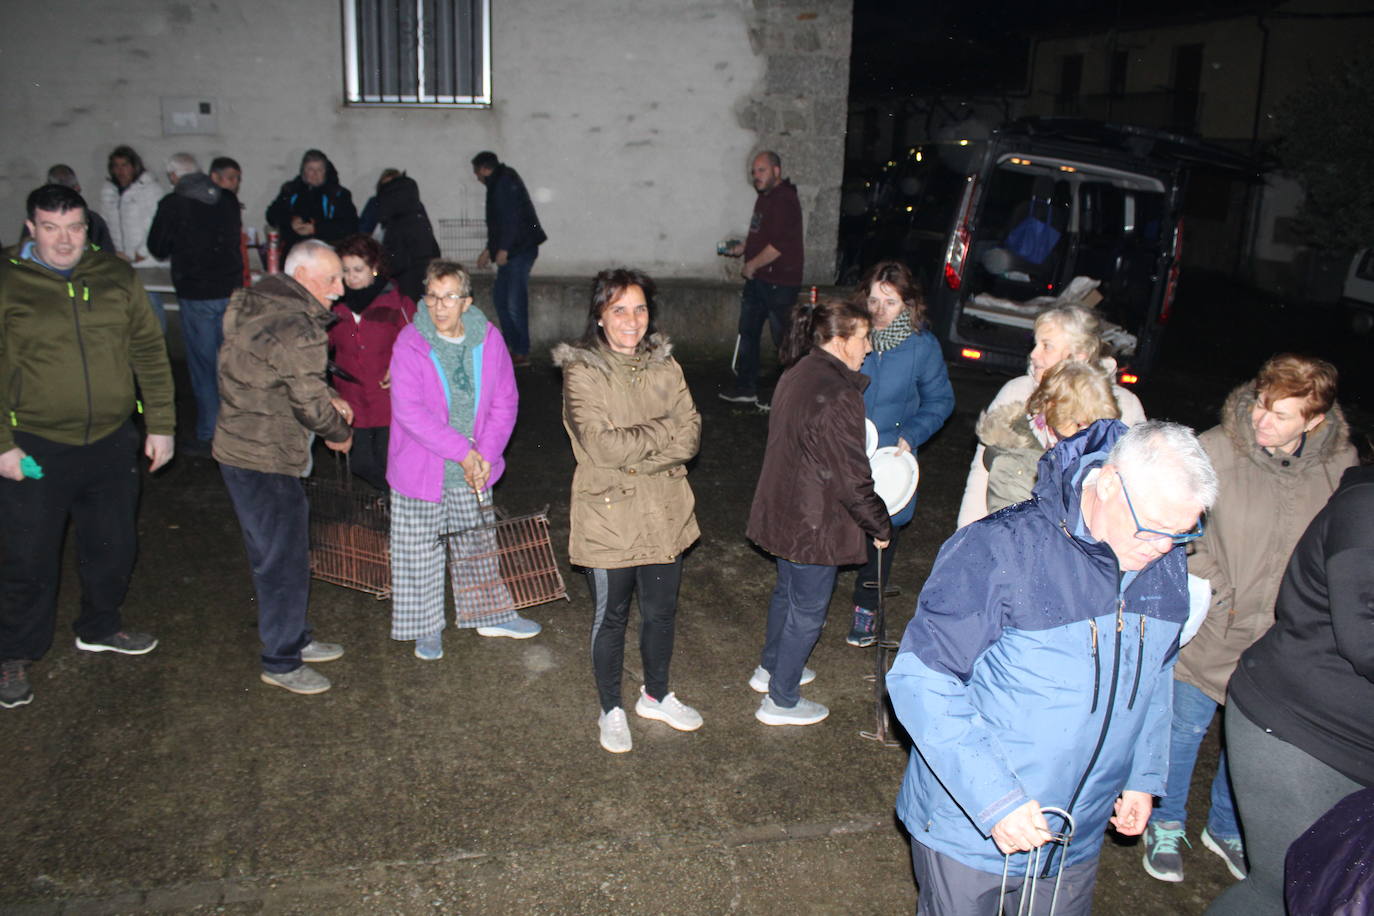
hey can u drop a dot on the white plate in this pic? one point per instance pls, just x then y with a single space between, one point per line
870 437
895 474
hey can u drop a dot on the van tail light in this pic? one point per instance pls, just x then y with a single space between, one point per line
1128 378
956 255
1171 285
970 353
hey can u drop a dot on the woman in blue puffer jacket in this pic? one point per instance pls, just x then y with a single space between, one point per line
908 398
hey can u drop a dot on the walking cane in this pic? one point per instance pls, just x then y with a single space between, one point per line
882 730
1026 905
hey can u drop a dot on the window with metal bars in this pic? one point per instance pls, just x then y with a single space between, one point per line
434 53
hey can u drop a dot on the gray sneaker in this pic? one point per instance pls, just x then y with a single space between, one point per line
1232 852
1163 858
121 642
14 683
316 652
804 713
758 681
303 680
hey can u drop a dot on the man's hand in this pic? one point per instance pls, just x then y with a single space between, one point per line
476 470
881 545
343 446
344 408
735 251
1132 812
1022 830
747 271
386 380
159 450
484 260
501 258
302 226
9 463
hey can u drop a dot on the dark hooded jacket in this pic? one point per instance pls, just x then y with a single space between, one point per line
198 227
329 205
815 501
409 238
512 224
272 388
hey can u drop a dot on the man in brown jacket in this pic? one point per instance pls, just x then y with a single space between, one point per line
273 397
1279 453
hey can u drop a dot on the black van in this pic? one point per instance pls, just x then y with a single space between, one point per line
1050 200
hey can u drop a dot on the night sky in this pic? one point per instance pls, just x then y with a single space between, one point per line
981 46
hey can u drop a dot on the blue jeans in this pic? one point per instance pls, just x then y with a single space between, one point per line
760 303
160 313
274 516
795 617
510 296
202 328
1193 711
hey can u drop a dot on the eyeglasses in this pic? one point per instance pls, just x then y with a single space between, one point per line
449 299
1149 534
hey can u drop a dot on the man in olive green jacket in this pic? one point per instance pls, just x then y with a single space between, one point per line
76 333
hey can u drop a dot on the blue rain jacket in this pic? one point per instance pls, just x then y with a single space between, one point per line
1028 672
909 396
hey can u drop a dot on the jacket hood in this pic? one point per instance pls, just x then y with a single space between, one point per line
401 191
331 174
1322 443
1058 485
144 179
199 188
1005 426
657 347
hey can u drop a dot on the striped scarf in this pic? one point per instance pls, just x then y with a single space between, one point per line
893 334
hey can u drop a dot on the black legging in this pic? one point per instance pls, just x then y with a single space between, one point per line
611 592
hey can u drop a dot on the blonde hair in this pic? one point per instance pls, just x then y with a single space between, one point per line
1075 393
1079 325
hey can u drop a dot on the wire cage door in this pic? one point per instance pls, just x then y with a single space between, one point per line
504 563
350 530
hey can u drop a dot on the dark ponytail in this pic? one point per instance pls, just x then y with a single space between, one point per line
815 323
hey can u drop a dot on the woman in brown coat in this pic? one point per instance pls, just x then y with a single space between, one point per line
633 427
814 507
1279 453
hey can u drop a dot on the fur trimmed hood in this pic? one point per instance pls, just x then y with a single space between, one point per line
656 348
1332 435
1005 426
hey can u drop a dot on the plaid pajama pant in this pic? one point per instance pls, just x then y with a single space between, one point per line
418 559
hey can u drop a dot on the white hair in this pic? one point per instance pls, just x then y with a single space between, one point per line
1081 325
179 165
1166 457
304 254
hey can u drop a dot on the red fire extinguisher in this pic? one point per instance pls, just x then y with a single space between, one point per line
273 251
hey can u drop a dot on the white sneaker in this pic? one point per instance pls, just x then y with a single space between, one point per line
615 731
760 678
804 713
669 709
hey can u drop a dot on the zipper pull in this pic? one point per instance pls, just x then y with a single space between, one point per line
1092 625
14 420
71 290
139 405
1120 620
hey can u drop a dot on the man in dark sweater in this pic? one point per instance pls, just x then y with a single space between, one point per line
513 239
198 227
773 261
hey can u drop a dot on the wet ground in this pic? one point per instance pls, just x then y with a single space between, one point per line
177 782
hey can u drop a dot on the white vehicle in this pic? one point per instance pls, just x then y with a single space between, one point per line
1357 296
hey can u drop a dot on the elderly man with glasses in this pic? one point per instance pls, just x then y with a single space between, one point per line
1037 672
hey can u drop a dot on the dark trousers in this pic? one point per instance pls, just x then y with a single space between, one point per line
947 887
96 486
864 596
611 591
274 516
1280 792
202 328
367 458
760 303
510 296
795 617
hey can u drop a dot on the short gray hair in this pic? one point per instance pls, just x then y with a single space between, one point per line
305 253
179 165
1080 325
1169 457
63 175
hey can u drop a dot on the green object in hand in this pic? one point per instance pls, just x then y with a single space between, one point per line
30 467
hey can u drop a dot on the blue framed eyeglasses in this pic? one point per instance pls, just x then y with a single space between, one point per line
1150 534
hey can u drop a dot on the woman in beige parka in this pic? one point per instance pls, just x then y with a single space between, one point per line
1279 453
634 427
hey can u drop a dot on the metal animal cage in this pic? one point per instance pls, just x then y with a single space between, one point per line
506 562
350 531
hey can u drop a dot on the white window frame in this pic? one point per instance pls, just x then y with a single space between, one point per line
423 96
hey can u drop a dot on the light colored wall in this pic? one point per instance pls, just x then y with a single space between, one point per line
632 121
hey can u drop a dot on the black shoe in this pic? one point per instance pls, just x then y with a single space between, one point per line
121 642
14 683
